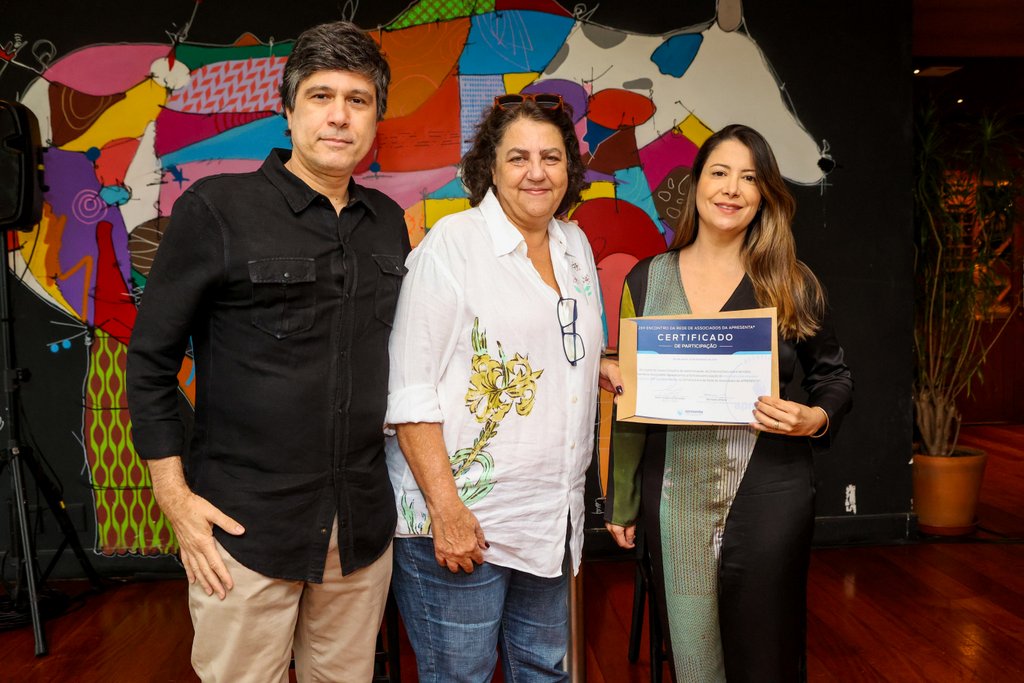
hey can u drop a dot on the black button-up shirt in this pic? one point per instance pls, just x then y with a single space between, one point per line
288 306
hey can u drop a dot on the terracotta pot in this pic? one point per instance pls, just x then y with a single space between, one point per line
946 491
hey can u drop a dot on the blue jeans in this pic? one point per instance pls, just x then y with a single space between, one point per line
457 621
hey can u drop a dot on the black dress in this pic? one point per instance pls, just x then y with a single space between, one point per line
727 513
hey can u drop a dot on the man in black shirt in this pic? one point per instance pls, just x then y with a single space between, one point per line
285 280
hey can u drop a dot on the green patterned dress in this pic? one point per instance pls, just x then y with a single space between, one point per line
730 550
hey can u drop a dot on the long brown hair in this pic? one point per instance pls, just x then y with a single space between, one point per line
769 251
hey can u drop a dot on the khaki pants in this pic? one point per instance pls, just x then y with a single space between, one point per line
332 626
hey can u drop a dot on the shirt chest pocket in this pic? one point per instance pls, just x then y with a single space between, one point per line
390 270
283 295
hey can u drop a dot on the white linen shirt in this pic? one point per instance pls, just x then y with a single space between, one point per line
477 346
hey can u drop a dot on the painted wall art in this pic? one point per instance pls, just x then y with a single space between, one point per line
128 127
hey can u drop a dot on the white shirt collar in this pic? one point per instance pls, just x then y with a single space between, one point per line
506 237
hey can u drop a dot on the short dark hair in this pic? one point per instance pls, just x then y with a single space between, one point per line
478 163
335 46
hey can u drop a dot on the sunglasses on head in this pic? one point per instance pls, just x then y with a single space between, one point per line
544 100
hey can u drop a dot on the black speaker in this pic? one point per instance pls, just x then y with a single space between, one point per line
21 194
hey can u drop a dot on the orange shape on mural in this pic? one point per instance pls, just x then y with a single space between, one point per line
186 380
421 58
116 156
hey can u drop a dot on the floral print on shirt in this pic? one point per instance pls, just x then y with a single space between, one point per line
495 387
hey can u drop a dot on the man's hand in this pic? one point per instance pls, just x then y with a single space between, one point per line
193 518
458 539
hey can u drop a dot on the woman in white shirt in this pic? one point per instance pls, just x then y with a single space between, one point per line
495 359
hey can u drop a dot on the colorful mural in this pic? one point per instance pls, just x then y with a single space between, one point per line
129 127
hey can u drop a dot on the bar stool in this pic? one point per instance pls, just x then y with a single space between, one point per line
645 594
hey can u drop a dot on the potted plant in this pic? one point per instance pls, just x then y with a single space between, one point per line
967 179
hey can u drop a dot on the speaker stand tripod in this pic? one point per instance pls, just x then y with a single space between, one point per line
15 455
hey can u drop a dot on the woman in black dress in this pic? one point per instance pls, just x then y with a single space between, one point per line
728 511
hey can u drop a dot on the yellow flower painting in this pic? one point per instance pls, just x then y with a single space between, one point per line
495 387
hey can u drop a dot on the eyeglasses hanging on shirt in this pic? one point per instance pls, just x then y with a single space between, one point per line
572 343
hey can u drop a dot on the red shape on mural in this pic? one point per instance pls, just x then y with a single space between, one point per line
113 306
620 234
545 6
427 138
247 39
618 109
178 129
371 157
614 226
114 160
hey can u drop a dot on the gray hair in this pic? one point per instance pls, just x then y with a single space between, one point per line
335 46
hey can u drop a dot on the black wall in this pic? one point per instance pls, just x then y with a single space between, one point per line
846 68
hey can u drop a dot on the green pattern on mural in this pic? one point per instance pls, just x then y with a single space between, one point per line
128 521
429 11
198 56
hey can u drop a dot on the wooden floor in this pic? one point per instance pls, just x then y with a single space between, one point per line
932 611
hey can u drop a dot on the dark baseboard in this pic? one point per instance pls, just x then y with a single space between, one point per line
896 527
126 566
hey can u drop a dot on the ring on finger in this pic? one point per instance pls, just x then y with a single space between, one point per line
777 425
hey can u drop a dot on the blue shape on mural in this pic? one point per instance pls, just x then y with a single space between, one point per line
251 141
596 134
177 175
115 195
674 56
450 190
476 97
513 41
631 185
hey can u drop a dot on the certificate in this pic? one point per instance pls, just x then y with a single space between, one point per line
690 369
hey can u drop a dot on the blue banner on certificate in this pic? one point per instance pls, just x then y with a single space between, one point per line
706 369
